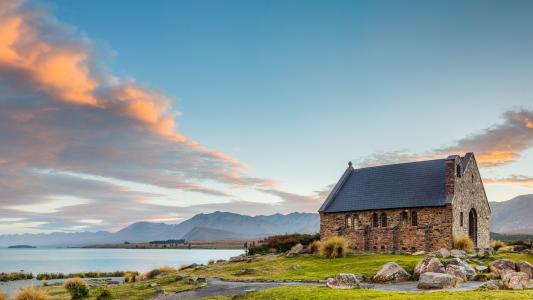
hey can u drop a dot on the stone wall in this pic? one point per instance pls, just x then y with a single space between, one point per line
469 193
433 231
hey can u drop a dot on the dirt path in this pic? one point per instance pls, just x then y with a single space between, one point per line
217 287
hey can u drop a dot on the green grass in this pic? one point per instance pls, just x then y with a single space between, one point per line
316 292
131 291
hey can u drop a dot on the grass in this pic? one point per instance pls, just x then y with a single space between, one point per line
130 291
315 292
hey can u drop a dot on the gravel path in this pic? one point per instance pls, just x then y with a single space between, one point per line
217 287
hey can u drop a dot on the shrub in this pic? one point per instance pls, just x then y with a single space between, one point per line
130 276
31 293
334 247
282 243
314 247
15 276
103 293
77 288
463 242
153 273
495 244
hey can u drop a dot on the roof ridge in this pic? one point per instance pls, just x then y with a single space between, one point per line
403 163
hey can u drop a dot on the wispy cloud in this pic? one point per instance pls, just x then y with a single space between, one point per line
524 181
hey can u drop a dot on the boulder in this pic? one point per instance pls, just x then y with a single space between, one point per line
430 280
492 284
417 253
429 264
442 252
220 261
524 266
343 281
485 252
515 280
153 284
243 272
391 272
159 293
292 254
201 280
481 268
457 271
502 266
240 258
458 253
178 277
469 271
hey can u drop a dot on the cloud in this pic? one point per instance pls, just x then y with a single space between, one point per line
69 129
497 145
521 180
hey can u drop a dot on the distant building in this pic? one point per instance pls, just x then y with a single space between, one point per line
408 207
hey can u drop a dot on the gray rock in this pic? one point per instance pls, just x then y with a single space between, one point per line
458 253
201 280
296 267
343 281
159 293
482 269
391 272
442 252
153 284
192 280
220 261
524 266
457 271
502 266
240 258
492 284
515 281
469 271
432 280
292 254
191 266
419 253
178 277
485 252
243 272
429 264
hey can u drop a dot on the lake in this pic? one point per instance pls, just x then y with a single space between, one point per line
74 260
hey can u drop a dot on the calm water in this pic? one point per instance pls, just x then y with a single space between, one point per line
83 260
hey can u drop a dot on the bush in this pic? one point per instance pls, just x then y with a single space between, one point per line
130 276
31 293
314 247
282 243
103 293
77 288
15 276
334 247
151 274
463 242
495 244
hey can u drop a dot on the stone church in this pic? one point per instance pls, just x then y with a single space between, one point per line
412 206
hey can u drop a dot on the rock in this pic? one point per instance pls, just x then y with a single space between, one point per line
430 280
192 280
159 293
220 261
343 281
492 284
391 272
153 284
429 264
201 280
482 268
457 271
442 252
191 266
243 272
360 277
296 267
469 271
524 266
502 266
292 254
485 252
178 277
515 280
417 253
458 253
240 258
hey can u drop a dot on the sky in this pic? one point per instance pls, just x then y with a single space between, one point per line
113 112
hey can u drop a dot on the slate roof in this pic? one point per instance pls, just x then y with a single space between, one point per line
414 184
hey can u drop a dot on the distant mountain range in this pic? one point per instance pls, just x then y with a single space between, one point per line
514 216
510 217
213 226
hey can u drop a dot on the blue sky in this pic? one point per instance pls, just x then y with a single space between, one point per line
295 89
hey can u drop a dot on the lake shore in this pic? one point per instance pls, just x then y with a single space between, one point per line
223 245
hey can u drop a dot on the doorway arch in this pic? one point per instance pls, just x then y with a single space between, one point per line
472 226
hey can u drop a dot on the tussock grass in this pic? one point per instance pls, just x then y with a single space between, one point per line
77 288
2 296
496 245
334 247
314 247
31 293
463 242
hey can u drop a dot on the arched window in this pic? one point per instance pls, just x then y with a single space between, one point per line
458 170
375 221
403 217
383 220
348 221
414 218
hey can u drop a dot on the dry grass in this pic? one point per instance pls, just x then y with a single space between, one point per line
495 244
77 288
166 269
31 293
297 248
334 247
463 242
2 296
130 276
314 247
